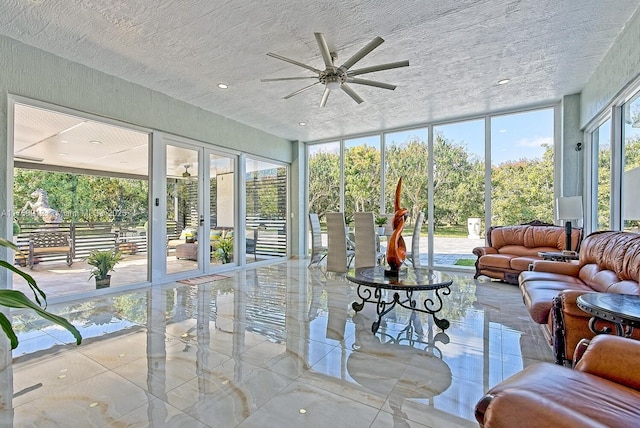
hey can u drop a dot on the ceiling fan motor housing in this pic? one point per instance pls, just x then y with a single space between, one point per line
333 77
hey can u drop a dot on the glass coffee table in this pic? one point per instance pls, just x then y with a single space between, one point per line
372 284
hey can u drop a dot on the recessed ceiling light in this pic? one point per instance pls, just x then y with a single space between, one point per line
503 81
95 142
64 141
302 123
63 154
223 85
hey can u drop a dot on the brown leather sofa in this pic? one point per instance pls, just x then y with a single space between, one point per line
609 262
511 249
602 391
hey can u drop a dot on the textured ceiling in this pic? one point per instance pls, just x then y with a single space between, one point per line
458 50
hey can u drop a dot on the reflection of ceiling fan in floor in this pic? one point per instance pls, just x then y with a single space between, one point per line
333 77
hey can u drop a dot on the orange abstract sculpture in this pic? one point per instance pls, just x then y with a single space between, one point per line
397 250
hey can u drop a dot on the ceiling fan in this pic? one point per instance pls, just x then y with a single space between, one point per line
338 77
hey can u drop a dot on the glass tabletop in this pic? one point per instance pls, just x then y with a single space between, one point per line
409 278
625 306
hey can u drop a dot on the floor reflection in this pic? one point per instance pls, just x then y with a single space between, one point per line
276 345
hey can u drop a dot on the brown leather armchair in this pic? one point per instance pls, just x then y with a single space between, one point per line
602 390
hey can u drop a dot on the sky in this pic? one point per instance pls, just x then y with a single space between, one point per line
513 137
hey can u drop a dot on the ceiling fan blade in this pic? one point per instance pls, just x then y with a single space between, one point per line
288 78
362 53
371 83
325 96
324 50
380 67
299 90
293 61
351 93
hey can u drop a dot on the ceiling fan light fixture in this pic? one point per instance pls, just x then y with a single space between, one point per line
333 84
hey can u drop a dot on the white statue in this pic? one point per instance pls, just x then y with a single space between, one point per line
473 227
41 207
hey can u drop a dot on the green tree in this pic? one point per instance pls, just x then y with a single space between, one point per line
362 179
458 180
324 183
83 198
408 160
522 190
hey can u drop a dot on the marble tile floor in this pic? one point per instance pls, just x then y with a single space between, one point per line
273 346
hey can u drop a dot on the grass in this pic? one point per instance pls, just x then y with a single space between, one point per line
465 262
453 231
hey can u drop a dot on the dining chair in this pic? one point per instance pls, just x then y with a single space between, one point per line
367 253
338 257
414 254
318 251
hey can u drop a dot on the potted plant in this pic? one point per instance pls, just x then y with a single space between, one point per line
224 249
348 219
380 222
17 299
103 262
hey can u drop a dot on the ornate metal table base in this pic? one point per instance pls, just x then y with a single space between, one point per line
431 306
622 310
374 287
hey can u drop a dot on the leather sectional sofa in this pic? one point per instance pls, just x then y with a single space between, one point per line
602 391
511 249
608 262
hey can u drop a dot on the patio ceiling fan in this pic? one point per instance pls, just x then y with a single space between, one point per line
335 77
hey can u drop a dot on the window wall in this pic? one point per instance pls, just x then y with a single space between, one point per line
458 188
85 182
266 210
601 140
614 165
406 156
362 181
324 178
521 177
631 176
522 187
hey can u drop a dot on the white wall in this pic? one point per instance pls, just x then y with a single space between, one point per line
618 68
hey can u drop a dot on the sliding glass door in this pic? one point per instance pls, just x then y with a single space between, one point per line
222 212
184 208
201 184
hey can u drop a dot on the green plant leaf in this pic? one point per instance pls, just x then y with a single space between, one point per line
8 330
30 281
16 299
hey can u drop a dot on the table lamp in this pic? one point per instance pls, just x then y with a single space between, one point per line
568 209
